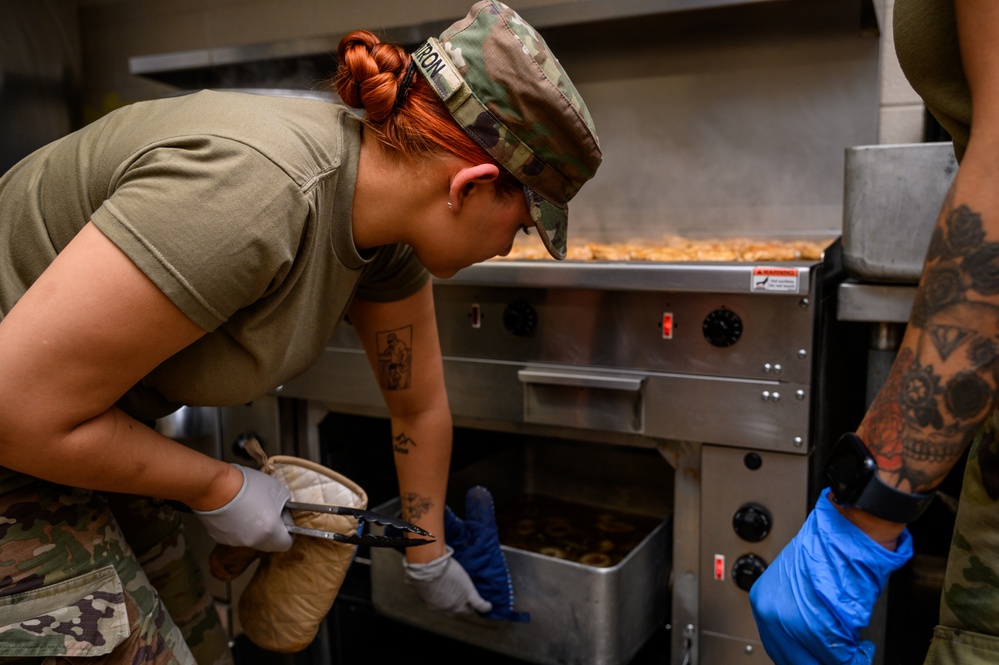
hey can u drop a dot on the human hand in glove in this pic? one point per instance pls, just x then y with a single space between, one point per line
444 586
814 599
254 517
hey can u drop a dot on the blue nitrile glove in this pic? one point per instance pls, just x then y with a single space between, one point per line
814 599
477 548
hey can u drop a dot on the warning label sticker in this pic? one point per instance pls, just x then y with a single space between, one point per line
775 280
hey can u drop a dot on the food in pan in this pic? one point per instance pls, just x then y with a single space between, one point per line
675 248
597 559
525 527
561 529
557 527
611 524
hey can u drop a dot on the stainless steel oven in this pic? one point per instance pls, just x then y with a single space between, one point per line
730 377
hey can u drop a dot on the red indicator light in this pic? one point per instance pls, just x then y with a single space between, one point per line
719 566
667 325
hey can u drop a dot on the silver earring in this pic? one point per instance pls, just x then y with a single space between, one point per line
449 206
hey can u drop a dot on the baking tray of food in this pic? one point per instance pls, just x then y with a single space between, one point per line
673 248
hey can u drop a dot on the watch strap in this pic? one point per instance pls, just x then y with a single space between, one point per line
890 504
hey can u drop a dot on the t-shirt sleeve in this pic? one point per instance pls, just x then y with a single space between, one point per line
214 224
395 273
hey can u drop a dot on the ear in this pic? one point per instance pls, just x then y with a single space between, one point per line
468 177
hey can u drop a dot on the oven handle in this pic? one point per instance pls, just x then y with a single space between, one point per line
557 378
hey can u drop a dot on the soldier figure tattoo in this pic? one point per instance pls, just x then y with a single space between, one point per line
941 389
395 369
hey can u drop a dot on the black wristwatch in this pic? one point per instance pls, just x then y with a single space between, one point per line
852 473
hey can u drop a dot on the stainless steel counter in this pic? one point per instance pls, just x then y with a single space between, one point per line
700 276
874 303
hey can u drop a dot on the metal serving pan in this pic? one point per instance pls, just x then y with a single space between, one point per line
580 614
893 194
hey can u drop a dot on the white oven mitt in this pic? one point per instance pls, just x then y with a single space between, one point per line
291 592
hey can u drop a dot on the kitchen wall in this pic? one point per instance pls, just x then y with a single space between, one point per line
40 75
715 121
116 30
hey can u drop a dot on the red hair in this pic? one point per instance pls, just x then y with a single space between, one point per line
368 77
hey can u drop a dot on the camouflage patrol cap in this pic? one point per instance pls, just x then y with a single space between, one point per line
507 90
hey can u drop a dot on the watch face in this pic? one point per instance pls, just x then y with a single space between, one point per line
849 468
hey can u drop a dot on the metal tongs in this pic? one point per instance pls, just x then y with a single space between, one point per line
366 515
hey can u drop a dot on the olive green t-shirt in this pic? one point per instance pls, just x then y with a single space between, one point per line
237 206
929 54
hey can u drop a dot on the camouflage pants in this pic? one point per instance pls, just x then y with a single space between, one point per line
969 610
75 582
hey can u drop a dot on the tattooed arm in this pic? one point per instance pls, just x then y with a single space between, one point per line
401 342
943 383
813 601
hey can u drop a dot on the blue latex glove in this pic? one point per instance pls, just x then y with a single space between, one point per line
477 548
812 602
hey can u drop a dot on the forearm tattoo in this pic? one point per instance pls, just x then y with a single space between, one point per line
402 443
395 355
415 506
940 391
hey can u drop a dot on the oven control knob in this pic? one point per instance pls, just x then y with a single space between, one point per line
520 318
722 327
747 570
752 522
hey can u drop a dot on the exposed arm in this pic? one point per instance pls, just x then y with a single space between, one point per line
401 342
89 328
943 383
